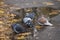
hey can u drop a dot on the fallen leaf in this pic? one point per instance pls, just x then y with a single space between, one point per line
1 11
22 37
48 3
28 33
38 27
1 22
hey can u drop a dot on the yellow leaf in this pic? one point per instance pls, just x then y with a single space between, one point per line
1 11
28 10
13 15
1 22
14 20
34 2
53 13
27 33
22 37
38 27
1 2
48 3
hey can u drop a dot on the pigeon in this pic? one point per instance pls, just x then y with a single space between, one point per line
44 21
28 19
18 28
